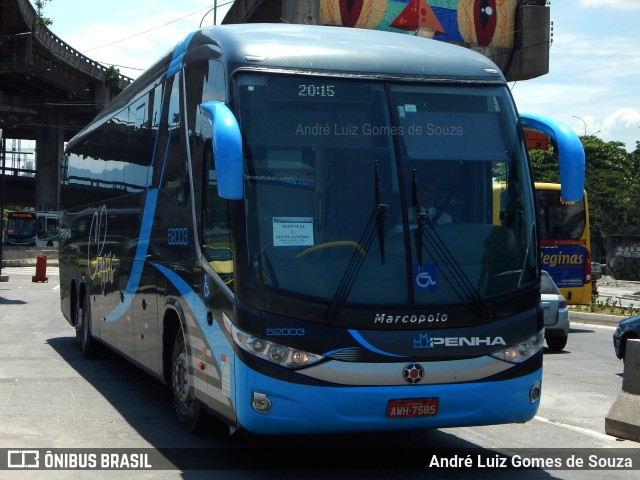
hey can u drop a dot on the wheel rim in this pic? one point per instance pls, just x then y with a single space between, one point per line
180 378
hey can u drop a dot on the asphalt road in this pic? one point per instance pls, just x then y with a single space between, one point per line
52 397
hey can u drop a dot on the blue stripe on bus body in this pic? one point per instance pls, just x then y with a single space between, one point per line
360 339
214 335
215 338
178 55
149 207
141 254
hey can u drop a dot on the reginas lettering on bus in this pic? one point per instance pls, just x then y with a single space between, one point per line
562 259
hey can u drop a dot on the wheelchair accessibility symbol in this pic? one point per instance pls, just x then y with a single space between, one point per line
425 276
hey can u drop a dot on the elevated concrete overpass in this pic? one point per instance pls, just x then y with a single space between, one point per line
48 92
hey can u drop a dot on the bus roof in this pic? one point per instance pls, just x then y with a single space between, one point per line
323 50
346 50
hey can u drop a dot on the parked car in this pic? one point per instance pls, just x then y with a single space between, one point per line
627 328
556 313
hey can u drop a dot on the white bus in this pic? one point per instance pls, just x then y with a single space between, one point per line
31 228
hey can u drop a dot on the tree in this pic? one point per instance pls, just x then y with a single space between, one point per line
41 19
612 182
112 77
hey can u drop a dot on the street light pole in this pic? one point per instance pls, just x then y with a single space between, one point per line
215 14
582 120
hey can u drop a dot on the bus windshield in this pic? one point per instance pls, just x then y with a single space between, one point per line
420 226
21 225
557 219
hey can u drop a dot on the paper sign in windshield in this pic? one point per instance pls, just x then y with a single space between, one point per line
292 231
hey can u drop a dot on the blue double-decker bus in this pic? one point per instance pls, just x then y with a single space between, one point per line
246 222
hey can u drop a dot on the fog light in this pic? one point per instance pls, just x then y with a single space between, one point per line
278 353
261 403
534 393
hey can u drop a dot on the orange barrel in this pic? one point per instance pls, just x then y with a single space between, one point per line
41 269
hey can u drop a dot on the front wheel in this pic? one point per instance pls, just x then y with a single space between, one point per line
556 344
186 407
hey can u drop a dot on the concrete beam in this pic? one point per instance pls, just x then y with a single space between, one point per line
623 419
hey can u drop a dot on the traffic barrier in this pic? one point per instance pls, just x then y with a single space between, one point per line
41 269
623 419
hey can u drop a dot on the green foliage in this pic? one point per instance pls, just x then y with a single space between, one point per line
612 182
41 19
608 307
112 76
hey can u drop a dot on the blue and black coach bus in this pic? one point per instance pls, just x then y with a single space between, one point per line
237 222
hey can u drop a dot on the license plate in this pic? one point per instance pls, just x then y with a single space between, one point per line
413 407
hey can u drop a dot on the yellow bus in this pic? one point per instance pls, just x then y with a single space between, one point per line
565 248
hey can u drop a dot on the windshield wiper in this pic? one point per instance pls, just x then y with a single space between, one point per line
376 219
456 272
426 229
421 217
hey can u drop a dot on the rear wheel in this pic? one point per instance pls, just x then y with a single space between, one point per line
83 329
557 343
186 407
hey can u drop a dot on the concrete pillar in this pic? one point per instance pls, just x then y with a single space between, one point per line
301 11
623 419
49 152
101 95
532 41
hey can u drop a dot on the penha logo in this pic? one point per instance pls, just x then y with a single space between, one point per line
424 341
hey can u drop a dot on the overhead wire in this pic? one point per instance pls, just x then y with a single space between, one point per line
208 9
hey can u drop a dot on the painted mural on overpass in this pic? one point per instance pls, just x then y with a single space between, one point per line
487 23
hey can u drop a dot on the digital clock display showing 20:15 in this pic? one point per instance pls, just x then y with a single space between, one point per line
319 90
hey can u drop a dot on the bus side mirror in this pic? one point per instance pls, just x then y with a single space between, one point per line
570 153
227 149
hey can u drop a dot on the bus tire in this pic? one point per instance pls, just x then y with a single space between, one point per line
186 407
83 329
556 344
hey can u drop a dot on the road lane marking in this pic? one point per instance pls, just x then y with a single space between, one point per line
586 431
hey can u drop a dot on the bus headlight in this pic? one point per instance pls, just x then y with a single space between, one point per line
273 352
523 350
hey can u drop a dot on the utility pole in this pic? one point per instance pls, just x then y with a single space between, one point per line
3 154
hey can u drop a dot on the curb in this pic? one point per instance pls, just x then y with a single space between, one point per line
595 318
